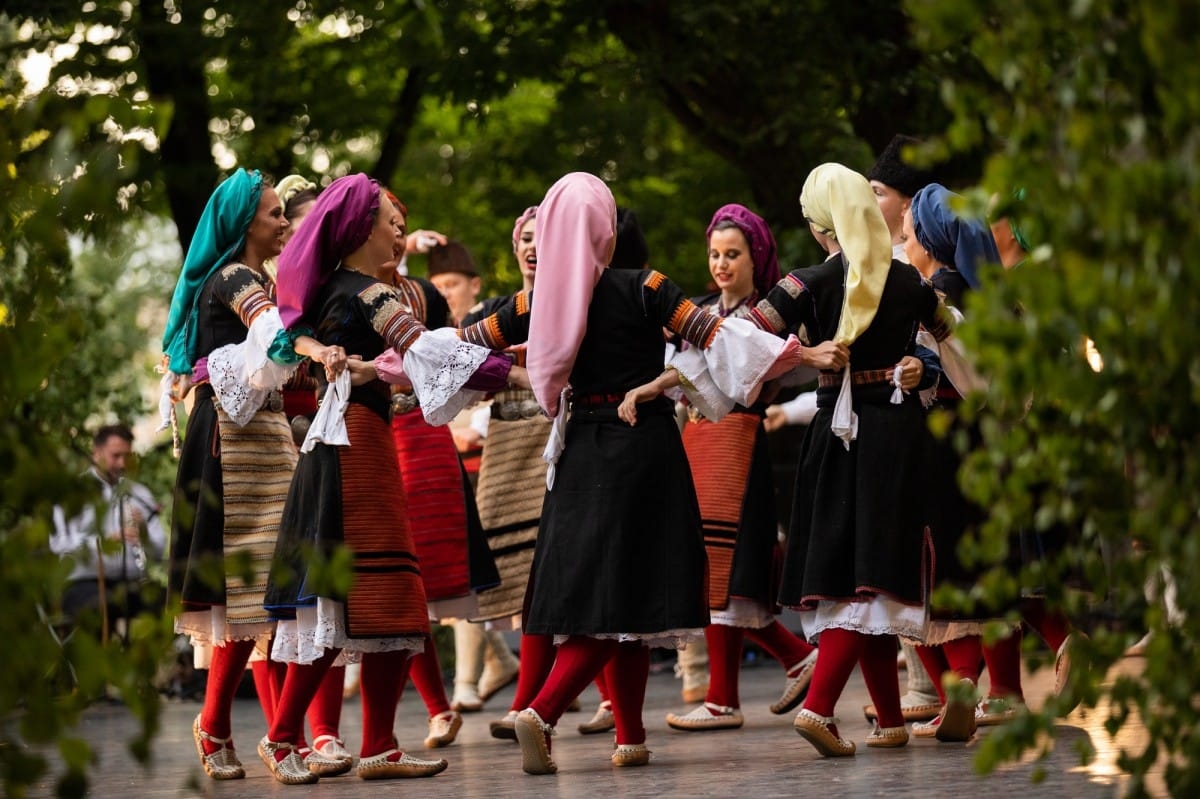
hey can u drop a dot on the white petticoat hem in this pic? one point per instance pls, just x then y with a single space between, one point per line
316 629
445 611
667 639
741 612
208 628
879 615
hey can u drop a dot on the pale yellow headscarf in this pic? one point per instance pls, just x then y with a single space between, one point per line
839 201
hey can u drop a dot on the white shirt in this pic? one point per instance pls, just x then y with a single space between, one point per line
117 505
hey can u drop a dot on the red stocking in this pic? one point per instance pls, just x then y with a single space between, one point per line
602 685
224 675
579 660
840 650
626 672
935 663
724 661
299 687
1003 660
325 710
877 661
964 655
426 674
782 644
262 689
382 679
537 658
1050 624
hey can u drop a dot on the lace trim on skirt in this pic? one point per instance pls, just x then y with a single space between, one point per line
742 612
667 639
879 615
315 629
208 628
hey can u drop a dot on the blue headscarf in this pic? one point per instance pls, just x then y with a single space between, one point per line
952 240
220 235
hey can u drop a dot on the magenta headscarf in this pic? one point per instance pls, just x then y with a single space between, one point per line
339 223
762 243
577 225
526 215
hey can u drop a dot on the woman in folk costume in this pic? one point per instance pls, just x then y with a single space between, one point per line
945 249
619 563
950 250
454 556
731 469
512 480
327 756
345 492
224 338
855 564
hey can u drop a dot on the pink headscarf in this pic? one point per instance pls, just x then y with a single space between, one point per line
526 215
339 223
577 224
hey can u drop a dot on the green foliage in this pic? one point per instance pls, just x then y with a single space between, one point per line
1091 109
55 333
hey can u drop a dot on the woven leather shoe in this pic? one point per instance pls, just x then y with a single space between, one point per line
796 687
817 730
631 755
888 737
504 727
443 728
603 721
290 769
534 736
223 764
381 767
707 717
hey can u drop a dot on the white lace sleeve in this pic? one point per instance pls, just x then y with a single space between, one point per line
242 375
261 371
227 374
439 363
731 370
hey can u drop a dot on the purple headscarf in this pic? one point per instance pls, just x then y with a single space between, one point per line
758 236
339 223
526 215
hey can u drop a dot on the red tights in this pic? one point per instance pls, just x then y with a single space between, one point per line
426 674
1003 660
224 674
876 658
626 666
537 658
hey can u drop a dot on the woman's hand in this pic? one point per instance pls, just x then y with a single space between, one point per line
361 372
774 419
518 377
333 358
627 410
422 241
827 356
911 371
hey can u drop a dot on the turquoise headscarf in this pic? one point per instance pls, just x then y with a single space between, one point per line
220 235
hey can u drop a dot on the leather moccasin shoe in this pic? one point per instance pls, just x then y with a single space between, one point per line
222 764
631 755
796 686
534 736
387 766
819 731
707 717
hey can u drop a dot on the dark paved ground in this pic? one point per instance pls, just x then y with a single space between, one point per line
764 759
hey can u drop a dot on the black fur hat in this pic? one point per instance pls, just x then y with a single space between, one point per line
891 169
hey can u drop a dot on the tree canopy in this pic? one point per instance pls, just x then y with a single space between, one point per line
1084 112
